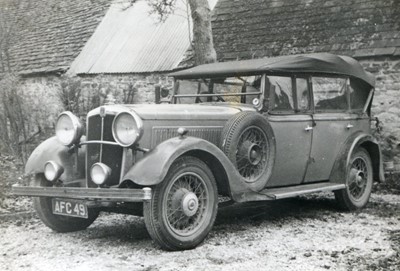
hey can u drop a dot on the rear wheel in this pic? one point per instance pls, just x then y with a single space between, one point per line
58 223
183 207
358 182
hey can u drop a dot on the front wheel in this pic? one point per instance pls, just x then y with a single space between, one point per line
59 223
183 207
358 182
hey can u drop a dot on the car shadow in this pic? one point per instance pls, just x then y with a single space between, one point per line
263 211
118 228
131 229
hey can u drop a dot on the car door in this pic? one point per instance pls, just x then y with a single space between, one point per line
333 125
291 120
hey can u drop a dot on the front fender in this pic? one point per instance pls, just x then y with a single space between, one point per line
153 167
51 149
358 139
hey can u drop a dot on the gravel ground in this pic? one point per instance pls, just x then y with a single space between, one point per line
306 233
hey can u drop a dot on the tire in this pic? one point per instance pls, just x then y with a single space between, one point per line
248 141
183 207
359 178
58 223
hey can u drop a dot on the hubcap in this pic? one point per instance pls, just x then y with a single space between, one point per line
187 204
358 178
255 154
190 204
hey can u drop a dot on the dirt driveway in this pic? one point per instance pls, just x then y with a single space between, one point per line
296 234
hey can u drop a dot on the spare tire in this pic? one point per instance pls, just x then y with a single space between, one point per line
248 141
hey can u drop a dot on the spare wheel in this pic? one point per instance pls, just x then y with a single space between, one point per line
248 141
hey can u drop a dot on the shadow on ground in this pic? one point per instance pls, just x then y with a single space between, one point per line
130 229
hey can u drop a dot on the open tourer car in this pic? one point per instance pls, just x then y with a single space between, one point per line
253 130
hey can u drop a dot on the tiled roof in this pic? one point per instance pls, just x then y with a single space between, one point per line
51 33
245 29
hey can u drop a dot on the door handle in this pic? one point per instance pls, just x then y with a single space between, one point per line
349 126
308 128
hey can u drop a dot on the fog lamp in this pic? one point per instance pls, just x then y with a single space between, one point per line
100 173
52 171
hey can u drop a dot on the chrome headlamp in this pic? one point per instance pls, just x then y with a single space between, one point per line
68 128
127 128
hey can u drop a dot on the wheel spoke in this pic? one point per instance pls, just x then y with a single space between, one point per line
358 184
179 220
252 140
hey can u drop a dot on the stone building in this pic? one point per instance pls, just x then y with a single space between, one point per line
38 42
131 51
108 46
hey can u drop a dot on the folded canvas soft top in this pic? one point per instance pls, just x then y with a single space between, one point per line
319 63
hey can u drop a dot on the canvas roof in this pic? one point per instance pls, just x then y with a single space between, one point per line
319 63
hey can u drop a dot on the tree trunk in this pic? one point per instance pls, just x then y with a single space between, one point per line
203 44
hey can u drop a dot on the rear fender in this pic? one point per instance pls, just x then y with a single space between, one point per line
356 140
154 166
51 149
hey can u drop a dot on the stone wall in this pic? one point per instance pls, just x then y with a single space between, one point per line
42 93
386 105
126 88
41 100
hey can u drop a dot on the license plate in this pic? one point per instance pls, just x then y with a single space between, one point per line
70 207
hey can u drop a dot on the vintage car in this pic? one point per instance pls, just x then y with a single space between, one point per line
253 130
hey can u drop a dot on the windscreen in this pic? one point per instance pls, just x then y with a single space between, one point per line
240 89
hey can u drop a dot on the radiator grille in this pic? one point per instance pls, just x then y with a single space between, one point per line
111 155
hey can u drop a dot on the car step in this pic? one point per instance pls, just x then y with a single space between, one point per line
292 191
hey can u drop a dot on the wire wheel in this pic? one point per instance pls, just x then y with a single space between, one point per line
358 178
358 182
186 204
183 206
249 142
252 153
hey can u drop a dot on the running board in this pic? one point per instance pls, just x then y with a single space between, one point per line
292 191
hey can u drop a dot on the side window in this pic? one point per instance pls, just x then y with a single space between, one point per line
330 94
236 85
281 93
359 92
303 94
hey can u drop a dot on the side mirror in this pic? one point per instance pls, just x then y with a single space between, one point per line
162 94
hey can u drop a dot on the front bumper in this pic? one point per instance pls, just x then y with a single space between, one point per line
93 194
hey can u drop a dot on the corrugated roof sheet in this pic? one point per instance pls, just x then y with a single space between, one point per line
131 40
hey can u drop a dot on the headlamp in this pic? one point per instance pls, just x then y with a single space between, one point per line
127 128
68 128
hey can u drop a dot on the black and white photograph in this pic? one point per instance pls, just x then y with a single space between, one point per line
141 135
